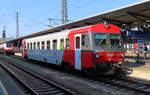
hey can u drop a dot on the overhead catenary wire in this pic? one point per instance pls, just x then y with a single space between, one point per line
82 5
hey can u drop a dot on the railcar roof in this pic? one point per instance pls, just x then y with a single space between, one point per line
128 15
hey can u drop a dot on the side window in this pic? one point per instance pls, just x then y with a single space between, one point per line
62 44
34 45
83 40
48 45
77 42
67 44
31 46
43 45
54 44
38 45
27 45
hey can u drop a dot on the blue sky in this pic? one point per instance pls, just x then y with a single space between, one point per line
34 14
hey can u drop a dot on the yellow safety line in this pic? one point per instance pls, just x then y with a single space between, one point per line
3 88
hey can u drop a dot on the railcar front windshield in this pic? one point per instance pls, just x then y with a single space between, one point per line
100 40
8 45
115 40
107 40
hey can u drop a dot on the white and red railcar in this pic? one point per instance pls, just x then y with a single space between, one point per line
6 48
95 48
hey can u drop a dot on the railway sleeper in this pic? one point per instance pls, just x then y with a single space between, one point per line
50 93
147 89
39 85
42 87
47 89
60 94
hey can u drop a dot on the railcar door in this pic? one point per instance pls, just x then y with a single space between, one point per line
78 51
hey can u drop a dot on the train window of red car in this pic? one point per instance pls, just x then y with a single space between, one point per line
62 44
67 44
77 42
38 45
43 45
54 44
48 45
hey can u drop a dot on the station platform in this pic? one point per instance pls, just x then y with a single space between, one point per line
7 85
141 68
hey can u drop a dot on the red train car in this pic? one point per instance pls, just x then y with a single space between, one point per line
95 49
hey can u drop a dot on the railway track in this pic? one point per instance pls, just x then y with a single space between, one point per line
138 87
35 84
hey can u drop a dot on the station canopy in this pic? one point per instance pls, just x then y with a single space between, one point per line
131 16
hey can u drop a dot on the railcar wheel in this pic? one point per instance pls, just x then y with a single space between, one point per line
67 67
119 73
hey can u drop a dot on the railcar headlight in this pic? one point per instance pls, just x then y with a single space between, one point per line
122 55
97 56
119 62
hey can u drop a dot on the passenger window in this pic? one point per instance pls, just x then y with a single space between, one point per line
54 44
34 45
38 45
27 45
43 45
48 45
31 46
83 40
62 44
67 44
77 42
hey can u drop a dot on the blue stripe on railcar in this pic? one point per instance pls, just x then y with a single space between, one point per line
49 56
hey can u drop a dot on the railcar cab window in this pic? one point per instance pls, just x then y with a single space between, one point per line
100 40
8 45
67 43
115 40
43 45
48 44
38 45
62 44
54 44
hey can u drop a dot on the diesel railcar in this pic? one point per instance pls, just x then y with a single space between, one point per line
95 49
6 48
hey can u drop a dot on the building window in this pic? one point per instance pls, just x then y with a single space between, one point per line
38 45
43 45
62 44
67 44
54 44
31 46
48 45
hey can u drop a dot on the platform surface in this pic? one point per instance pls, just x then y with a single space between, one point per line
141 69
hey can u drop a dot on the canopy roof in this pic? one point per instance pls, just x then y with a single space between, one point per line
129 16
